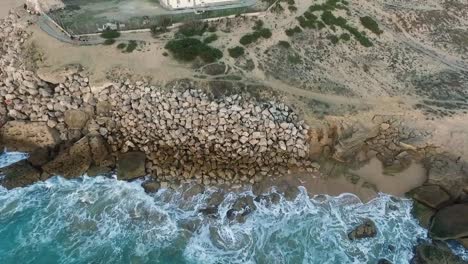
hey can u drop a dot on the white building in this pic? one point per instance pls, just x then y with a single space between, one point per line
185 4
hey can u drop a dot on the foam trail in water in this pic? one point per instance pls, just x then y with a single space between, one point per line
102 220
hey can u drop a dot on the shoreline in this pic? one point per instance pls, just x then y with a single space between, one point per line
212 133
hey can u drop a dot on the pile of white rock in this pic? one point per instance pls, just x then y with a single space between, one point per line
184 133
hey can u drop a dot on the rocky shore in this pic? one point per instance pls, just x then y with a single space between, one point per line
178 132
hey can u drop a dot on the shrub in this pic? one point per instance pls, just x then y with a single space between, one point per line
211 38
258 25
294 59
187 49
109 41
292 8
334 39
370 24
110 34
121 46
265 33
291 2
284 44
310 16
236 52
193 28
212 28
247 39
345 37
156 30
131 46
291 31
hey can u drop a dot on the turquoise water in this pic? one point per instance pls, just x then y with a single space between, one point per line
102 220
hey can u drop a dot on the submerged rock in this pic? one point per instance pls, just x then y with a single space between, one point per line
28 136
241 208
131 165
19 174
450 222
435 254
365 230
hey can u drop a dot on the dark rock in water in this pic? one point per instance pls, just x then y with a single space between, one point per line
241 208
215 199
291 193
193 190
423 213
210 211
151 186
450 222
39 157
131 165
365 230
384 261
19 174
72 162
28 136
431 195
435 254
272 198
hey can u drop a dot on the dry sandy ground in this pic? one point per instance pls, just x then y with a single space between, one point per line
6 5
100 59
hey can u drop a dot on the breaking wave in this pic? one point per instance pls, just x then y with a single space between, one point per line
103 220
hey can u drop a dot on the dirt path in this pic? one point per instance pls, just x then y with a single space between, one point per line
6 5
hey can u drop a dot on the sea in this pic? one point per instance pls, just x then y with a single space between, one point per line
104 220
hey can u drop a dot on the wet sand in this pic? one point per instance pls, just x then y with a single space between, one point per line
365 182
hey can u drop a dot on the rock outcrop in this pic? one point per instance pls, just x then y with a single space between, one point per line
28 136
450 222
438 253
18 175
364 230
431 195
131 165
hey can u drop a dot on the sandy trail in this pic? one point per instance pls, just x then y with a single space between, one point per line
7 5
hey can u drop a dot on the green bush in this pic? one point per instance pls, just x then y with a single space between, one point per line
291 2
284 44
334 39
188 49
291 31
345 37
247 39
131 46
156 30
212 28
265 33
211 38
370 24
109 41
121 46
292 8
258 25
193 28
236 52
110 34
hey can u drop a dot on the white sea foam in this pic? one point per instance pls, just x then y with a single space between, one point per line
103 220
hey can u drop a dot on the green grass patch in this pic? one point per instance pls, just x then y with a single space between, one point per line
236 52
188 49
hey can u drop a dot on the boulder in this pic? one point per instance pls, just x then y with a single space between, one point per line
3 115
435 254
241 208
75 119
19 174
193 190
364 230
423 213
57 76
450 222
28 136
431 195
447 172
99 151
72 162
131 165
151 186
